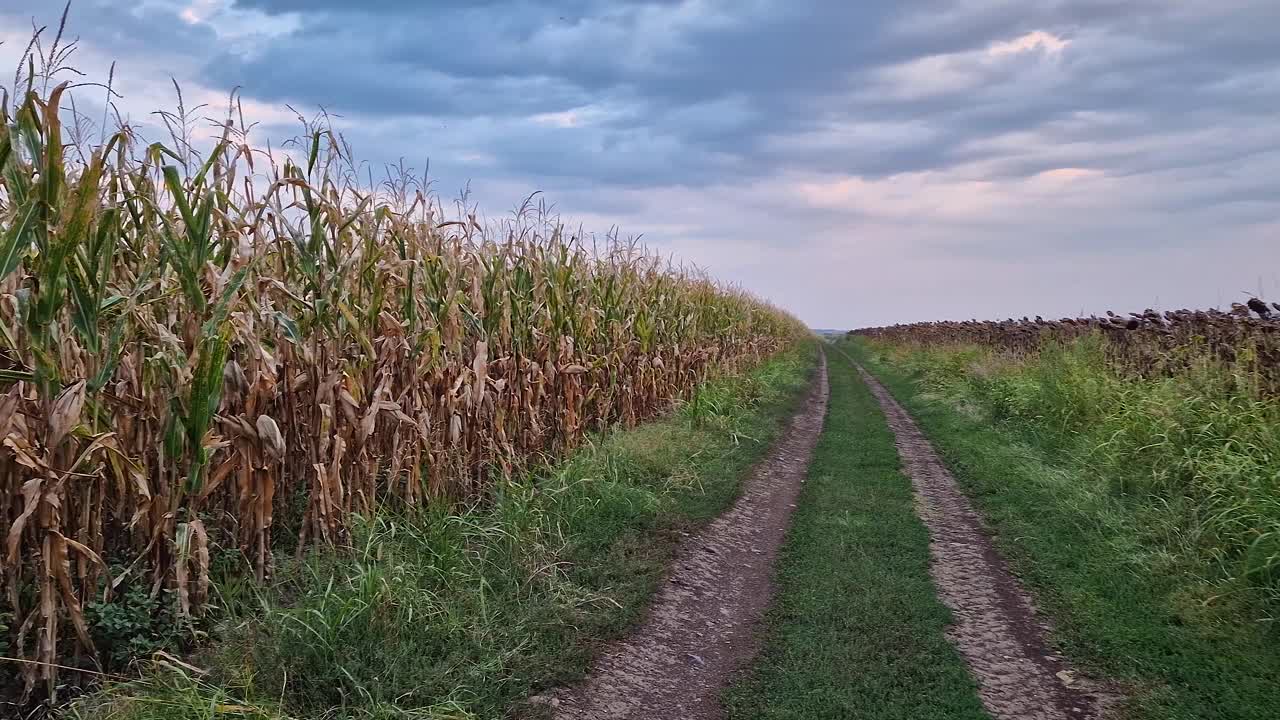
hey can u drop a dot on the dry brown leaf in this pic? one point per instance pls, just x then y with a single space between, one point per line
8 406
65 413
480 366
30 501
60 566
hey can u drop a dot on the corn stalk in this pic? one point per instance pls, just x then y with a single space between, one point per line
204 352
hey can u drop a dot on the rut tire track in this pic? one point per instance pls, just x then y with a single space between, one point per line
702 626
995 628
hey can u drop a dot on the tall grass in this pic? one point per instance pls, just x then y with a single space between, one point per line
237 351
1196 455
1146 586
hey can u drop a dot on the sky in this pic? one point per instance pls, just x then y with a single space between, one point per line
857 163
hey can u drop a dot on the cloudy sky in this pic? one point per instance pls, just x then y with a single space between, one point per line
856 162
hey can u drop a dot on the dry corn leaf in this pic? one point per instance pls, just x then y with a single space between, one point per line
65 413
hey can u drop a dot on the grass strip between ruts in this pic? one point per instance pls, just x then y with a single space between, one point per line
855 629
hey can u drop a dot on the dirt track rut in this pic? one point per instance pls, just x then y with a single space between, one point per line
702 626
996 628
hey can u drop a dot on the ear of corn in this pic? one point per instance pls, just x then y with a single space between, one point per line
190 349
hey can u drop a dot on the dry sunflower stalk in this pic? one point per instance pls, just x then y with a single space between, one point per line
1245 339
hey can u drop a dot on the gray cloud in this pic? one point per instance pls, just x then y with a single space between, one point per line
129 31
944 130
755 87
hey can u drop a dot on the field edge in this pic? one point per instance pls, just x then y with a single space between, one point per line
1076 550
465 615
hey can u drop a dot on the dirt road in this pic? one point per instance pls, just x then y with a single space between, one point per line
704 622
702 626
996 628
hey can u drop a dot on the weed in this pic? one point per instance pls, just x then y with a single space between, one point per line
1141 511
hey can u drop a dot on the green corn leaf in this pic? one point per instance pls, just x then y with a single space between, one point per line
12 376
206 392
54 173
218 149
174 437
111 303
16 180
200 235
177 253
315 152
355 215
103 376
290 327
84 315
30 132
174 182
223 308
16 241
353 326
156 151
6 141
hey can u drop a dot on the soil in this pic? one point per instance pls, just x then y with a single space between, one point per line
702 626
995 628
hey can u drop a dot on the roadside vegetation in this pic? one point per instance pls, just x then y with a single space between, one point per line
464 613
1139 502
855 629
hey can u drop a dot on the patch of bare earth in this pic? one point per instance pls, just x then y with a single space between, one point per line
702 625
996 628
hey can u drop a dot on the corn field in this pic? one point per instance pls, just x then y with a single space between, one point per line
199 352
1245 340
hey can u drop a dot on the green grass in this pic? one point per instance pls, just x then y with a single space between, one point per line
1097 491
449 614
855 629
